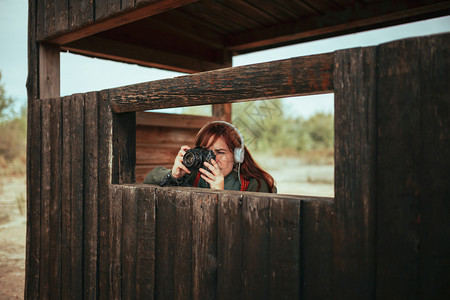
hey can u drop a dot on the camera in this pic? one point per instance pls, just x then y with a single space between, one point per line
193 159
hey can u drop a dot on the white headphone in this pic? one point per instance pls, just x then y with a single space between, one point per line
239 153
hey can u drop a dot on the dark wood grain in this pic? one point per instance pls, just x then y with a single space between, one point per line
255 254
165 209
44 287
77 195
31 288
91 182
204 246
104 202
62 16
146 234
115 241
412 197
183 229
66 181
316 249
284 261
55 200
124 148
434 177
355 181
290 77
229 247
129 242
81 12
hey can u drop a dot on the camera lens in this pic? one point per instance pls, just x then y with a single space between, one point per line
189 159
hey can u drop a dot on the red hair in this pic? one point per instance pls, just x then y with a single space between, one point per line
249 168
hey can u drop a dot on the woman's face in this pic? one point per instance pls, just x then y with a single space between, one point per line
224 157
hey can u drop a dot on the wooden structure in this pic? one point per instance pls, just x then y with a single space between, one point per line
92 232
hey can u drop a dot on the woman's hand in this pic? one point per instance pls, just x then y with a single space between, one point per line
214 176
178 169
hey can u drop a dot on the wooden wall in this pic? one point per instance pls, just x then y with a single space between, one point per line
159 137
386 234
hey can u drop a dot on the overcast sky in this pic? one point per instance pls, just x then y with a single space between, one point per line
81 74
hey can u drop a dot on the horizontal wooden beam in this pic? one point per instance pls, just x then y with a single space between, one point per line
134 14
284 78
172 120
349 20
129 53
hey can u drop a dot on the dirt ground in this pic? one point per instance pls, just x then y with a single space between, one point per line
12 237
292 177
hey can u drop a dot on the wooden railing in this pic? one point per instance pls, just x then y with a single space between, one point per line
195 243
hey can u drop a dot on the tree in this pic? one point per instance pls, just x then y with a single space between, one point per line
13 129
5 102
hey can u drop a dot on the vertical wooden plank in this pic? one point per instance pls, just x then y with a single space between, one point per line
182 245
355 148
40 24
104 198
34 203
44 288
62 15
146 233
80 13
124 148
413 169
91 197
33 162
77 203
398 161
50 19
55 199
434 176
164 243
115 240
106 8
49 71
255 222
101 9
284 262
66 180
316 250
222 111
230 239
204 245
129 242
126 4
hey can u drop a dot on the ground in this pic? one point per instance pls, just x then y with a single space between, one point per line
292 176
12 237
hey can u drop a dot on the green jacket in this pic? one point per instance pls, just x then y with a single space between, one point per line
232 182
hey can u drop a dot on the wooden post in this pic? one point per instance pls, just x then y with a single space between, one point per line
355 147
49 71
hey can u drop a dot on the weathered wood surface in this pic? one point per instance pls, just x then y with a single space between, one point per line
105 152
124 148
413 192
284 78
55 200
159 137
91 187
65 22
355 171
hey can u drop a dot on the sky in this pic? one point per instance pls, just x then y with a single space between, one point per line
82 74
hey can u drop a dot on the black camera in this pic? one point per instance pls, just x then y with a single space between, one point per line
193 159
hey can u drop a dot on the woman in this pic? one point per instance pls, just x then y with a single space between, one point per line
232 169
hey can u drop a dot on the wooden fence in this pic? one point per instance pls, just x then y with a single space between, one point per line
92 233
